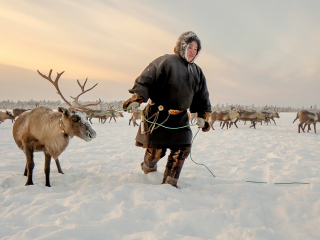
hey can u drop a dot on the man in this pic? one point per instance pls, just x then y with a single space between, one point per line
173 83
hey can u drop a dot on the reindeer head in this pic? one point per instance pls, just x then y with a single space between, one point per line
74 120
9 114
75 124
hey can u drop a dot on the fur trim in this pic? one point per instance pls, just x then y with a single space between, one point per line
183 42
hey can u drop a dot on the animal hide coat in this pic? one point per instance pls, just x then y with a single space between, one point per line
172 82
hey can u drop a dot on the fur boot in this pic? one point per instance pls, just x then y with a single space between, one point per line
172 181
147 169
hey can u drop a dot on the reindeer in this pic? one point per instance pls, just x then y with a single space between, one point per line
252 116
6 115
212 118
270 115
95 114
134 117
192 117
275 114
42 129
314 124
228 117
306 118
17 111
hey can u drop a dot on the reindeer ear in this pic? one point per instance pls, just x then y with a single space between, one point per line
64 111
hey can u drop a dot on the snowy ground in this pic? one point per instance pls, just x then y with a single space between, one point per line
105 195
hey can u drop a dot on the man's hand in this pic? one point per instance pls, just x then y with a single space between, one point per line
134 106
203 124
134 98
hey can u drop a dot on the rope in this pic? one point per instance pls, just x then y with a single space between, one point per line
191 156
172 128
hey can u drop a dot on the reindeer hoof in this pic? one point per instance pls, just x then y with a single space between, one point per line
29 183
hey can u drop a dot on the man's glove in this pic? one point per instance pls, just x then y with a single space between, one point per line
134 98
134 106
203 124
200 122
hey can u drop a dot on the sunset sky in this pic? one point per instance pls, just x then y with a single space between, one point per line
253 52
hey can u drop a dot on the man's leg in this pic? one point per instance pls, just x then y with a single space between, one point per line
174 165
151 157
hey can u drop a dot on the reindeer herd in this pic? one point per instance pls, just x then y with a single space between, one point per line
42 129
235 114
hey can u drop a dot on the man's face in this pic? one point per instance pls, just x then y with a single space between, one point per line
192 51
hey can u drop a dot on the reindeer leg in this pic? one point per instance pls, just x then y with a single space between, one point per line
30 164
304 126
26 171
309 128
235 123
300 126
314 125
90 120
47 168
58 166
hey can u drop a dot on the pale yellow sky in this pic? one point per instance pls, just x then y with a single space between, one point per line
253 52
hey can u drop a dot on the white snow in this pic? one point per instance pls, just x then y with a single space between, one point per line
105 195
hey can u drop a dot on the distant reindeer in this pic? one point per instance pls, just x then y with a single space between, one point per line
134 117
228 117
192 117
252 116
42 129
17 112
306 118
270 115
212 118
5 115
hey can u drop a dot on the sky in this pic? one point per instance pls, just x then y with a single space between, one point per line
253 52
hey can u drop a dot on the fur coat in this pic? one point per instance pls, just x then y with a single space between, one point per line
174 83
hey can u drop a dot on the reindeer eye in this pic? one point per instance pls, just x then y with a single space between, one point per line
75 119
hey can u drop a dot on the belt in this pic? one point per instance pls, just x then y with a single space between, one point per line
145 128
170 111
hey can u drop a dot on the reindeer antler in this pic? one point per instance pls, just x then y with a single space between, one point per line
55 83
76 99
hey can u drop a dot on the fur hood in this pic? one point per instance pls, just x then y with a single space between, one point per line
183 43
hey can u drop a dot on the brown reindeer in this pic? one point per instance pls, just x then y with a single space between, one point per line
252 116
212 118
42 129
314 124
16 112
192 117
134 117
270 115
306 118
6 115
228 117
